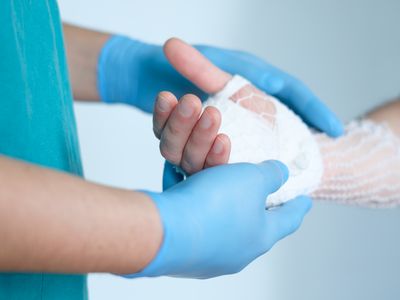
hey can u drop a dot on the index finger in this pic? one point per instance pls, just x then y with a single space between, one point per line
163 107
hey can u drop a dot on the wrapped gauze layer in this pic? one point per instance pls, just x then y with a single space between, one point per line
262 128
362 167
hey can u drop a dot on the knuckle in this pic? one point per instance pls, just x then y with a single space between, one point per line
173 157
189 165
173 129
198 141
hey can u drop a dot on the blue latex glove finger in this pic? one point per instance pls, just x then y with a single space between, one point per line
170 176
288 217
274 81
215 221
133 72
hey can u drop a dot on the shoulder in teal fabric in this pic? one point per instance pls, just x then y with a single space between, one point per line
36 119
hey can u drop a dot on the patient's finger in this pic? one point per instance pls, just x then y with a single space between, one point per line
165 103
201 140
194 66
179 127
220 151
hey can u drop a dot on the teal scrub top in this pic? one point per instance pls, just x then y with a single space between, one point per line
36 120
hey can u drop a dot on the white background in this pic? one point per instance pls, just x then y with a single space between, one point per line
347 51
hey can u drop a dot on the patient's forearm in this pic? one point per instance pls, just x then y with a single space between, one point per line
388 113
54 222
363 166
83 49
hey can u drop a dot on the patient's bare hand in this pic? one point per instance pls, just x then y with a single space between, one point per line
188 137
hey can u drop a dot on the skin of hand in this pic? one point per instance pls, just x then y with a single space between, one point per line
215 222
189 138
123 70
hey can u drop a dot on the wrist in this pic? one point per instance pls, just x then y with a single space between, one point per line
153 266
178 244
134 232
153 230
83 49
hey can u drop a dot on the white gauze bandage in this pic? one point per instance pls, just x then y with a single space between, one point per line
262 128
362 167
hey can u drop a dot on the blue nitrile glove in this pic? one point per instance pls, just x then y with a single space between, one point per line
215 222
133 72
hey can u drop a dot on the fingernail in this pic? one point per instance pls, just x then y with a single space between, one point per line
185 109
205 121
163 104
218 147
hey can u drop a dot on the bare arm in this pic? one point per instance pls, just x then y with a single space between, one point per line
54 222
83 48
389 113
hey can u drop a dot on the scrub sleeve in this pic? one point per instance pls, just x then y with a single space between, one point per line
37 120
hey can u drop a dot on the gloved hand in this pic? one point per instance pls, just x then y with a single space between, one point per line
215 222
133 72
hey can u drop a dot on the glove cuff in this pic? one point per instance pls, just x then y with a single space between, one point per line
176 256
117 70
157 266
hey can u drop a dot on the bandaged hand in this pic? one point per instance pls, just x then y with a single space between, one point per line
187 146
360 167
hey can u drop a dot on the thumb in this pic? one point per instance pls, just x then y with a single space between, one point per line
195 67
274 175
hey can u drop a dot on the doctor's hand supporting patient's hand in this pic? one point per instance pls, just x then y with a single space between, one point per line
133 72
215 222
